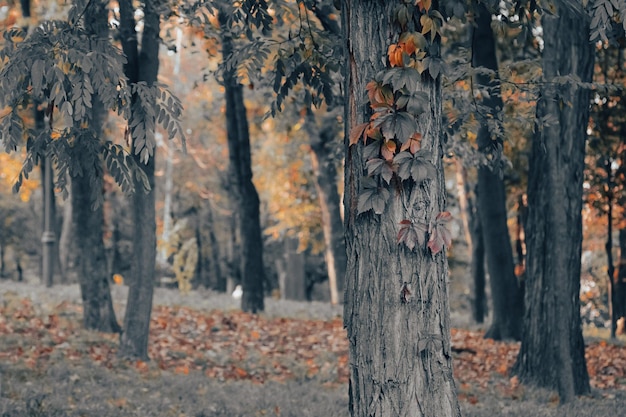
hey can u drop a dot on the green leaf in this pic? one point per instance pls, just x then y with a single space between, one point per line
379 166
372 197
416 167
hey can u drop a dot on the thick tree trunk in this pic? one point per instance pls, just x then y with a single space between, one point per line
508 304
252 269
323 143
98 313
88 217
552 353
396 307
141 66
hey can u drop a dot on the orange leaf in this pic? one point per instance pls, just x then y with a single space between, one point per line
388 150
424 5
357 132
255 335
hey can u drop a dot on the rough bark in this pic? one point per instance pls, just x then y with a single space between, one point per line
552 353
507 300
244 191
87 217
142 65
91 268
323 144
400 357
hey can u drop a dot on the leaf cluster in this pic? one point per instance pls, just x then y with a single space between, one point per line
63 69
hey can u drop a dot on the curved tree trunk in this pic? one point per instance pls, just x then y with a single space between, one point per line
252 269
396 307
552 353
141 66
508 302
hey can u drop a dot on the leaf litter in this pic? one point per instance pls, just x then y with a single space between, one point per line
230 345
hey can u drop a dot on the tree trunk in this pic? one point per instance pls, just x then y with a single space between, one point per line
217 281
323 142
552 353
91 268
252 269
475 243
68 250
620 285
396 308
507 301
87 215
141 66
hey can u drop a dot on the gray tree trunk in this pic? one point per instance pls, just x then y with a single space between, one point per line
142 66
507 299
400 355
88 218
323 143
552 353
244 191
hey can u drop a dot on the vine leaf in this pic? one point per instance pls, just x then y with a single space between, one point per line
417 166
413 144
439 233
357 132
412 234
372 197
380 166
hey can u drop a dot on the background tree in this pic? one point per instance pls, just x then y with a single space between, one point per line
245 195
142 68
396 310
491 195
605 173
552 351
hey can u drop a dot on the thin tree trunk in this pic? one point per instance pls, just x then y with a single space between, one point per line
323 143
552 353
252 269
508 303
475 243
217 281
620 289
396 308
68 250
142 66
608 248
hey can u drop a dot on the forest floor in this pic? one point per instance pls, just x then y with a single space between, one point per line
210 359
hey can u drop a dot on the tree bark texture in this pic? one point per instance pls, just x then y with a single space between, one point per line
552 353
323 143
507 299
143 65
252 268
87 215
400 357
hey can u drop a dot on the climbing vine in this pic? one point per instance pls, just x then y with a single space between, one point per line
392 140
